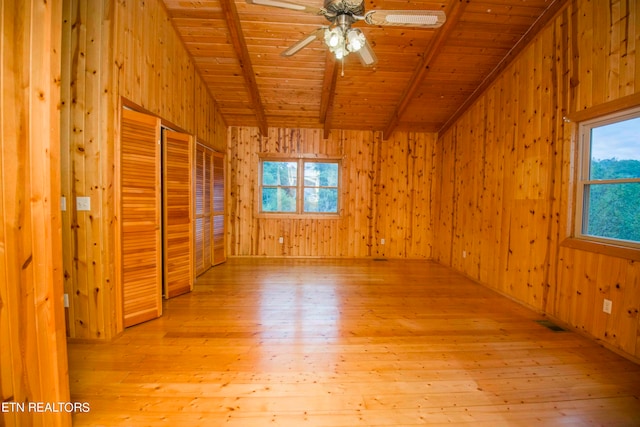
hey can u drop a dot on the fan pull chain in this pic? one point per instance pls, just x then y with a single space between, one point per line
342 61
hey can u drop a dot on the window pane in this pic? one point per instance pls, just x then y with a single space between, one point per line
317 174
612 211
615 150
278 199
279 173
321 200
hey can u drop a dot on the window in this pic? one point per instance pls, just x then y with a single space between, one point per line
299 186
608 198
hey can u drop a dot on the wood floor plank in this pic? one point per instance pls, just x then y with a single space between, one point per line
310 342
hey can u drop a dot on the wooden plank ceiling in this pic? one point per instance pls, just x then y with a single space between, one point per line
422 79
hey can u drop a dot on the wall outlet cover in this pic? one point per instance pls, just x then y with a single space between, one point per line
83 203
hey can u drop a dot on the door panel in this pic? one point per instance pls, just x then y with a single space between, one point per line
140 217
177 226
209 194
219 252
199 216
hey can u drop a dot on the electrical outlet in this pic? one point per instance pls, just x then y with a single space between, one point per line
281 240
66 300
464 254
63 203
606 306
83 203
382 241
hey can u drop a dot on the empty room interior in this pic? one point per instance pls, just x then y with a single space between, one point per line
320 213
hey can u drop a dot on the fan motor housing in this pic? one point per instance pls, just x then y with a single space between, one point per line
336 8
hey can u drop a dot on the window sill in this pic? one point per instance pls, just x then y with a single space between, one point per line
275 215
602 248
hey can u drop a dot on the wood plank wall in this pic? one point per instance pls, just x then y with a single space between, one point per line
33 359
114 51
503 174
385 192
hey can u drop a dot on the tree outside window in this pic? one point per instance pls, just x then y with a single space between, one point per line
300 186
609 183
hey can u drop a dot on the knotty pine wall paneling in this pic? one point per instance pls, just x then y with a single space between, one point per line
33 360
211 129
385 191
115 53
85 78
504 175
402 196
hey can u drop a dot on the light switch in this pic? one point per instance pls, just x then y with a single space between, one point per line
83 203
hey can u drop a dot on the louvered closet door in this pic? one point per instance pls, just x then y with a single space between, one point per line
140 217
219 252
199 216
177 228
208 210
209 222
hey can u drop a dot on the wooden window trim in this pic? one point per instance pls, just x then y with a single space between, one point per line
602 248
300 159
574 241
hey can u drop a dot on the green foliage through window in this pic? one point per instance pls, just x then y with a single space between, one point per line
283 182
320 187
614 211
610 179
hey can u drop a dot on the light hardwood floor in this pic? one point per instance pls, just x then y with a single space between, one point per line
280 342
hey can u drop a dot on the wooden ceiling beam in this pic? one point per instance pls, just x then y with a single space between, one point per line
328 92
453 12
550 12
240 46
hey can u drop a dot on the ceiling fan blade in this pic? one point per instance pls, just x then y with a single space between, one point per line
288 5
317 34
366 55
407 18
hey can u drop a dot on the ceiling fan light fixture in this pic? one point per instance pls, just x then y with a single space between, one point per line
334 37
340 38
355 40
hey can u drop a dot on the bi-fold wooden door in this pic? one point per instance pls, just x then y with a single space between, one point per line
156 234
219 254
204 179
141 243
177 227
209 215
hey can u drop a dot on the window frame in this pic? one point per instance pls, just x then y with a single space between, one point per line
583 181
301 160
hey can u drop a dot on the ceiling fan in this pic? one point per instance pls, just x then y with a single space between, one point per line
340 38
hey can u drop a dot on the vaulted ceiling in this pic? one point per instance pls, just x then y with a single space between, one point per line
422 80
